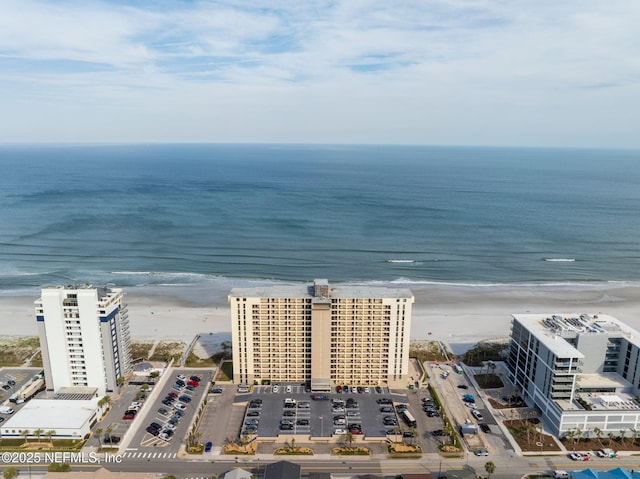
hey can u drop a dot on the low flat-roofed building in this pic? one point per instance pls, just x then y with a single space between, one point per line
69 419
581 370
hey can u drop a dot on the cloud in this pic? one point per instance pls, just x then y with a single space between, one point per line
408 61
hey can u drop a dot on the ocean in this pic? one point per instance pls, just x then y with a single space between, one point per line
147 215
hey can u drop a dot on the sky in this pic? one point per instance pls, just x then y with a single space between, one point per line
542 73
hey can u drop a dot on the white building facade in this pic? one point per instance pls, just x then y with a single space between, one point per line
322 334
84 337
581 371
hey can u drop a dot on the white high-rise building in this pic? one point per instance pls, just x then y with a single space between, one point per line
84 337
327 335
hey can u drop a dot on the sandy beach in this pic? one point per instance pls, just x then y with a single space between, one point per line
458 315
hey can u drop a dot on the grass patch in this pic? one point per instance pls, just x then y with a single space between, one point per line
428 351
168 351
489 381
194 361
488 350
15 351
225 372
140 349
405 449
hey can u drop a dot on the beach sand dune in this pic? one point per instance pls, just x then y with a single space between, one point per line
457 315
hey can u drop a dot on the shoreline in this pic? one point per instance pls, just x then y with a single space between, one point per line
459 315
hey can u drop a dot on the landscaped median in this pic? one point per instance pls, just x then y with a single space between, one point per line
399 450
351 451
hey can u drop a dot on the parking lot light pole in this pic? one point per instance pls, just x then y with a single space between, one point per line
321 426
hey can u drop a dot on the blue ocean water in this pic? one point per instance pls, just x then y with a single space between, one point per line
184 214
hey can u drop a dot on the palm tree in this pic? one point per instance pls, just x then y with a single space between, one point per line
611 435
598 432
38 433
634 435
24 433
571 434
623 432
490 467
98 432
579 433
349 438
293 443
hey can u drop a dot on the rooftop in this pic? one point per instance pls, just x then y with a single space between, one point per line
307 291
553 330
48 414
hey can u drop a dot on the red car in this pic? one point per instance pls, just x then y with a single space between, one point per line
128 416
193 383
173 395
338 389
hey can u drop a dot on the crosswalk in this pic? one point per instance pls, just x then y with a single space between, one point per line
149 455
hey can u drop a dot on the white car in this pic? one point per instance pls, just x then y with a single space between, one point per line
340 432
337 410
288 389
164 437
182 377
477 414
135 405
482 452
471 405
170 427
275 388
180 406
367 390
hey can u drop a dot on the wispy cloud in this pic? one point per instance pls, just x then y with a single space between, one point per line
411 61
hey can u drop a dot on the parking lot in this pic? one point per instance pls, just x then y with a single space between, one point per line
289 409
165 419
11 382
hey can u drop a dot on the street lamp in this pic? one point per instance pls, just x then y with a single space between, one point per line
321 426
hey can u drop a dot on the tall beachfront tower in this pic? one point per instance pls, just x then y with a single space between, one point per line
581 371
84 337
327 335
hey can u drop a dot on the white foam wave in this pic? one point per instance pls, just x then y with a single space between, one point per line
560 260
400 261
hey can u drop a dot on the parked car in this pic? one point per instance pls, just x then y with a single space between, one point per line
195 378
340 432
208 446
253 413
180 406
481 452
109 439
463 386
163 411
185 399
216 391
484 427
477 415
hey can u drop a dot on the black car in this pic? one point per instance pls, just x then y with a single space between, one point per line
437 432
289 413
185 399
384 401
433 414
286 427
195 378
463 386
484 427
408 434
163 411
153 431
11 382
378 389
253 413
302 422
6 387
111 439
167 402
386 409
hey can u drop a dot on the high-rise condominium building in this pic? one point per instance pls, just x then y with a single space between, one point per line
84 337
356 335
581 371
